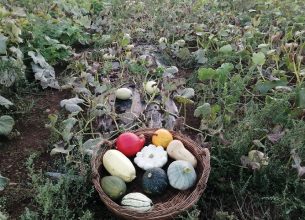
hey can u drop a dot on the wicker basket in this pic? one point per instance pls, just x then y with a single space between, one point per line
166 206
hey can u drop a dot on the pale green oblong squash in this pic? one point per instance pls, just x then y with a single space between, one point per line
181 175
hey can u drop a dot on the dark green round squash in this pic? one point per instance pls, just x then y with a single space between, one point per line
154 181
113 186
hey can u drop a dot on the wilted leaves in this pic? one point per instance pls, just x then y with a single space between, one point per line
5 102
89 145
255 160
72 105
200 56
297 163
66 133
3 183
61 149
68 124
3 216
184 96
43 71
3 41
276 134
6 125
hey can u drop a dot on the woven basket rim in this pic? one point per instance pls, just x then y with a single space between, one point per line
160 210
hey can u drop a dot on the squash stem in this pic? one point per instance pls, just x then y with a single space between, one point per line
186 170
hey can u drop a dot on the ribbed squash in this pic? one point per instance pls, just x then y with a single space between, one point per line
137 202
181 175
154 181
113 186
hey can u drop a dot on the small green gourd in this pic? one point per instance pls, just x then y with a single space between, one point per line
181 175
113 186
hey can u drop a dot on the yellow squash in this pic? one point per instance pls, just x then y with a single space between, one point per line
117 164
162 137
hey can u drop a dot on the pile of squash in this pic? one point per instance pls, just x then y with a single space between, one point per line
180 173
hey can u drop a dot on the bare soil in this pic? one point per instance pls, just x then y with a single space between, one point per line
33 139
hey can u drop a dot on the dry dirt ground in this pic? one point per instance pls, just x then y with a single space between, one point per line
33 139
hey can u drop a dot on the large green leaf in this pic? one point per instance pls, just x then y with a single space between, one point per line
200 56
301 98
3 40
264 86
68 124
223 71
3 216
204 111
90 144
206 73
84 21
220 74
258 58
44 72
226 49
6 124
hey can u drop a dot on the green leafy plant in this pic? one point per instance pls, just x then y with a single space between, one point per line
65 198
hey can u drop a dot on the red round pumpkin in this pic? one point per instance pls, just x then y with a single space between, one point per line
130 144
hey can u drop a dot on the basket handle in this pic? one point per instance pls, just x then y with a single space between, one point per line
204 152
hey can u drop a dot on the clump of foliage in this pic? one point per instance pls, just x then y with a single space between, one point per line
63 198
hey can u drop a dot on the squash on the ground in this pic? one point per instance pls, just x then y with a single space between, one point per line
151 87
123 93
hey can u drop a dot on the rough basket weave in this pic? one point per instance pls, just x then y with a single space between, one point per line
166 206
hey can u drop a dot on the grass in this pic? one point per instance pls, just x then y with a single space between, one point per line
246 64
